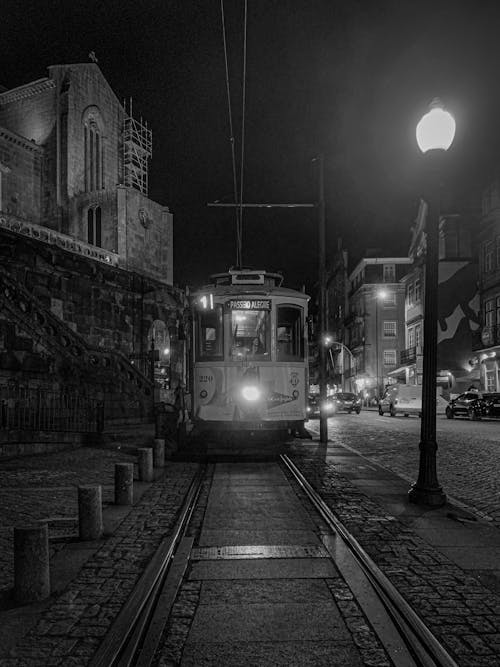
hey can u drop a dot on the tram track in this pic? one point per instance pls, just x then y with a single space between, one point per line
137 631
425 649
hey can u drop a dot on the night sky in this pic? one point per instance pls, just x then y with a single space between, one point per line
349 79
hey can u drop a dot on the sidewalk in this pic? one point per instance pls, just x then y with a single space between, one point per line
445 562
89 580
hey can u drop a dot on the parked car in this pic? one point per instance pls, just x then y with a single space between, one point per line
406 399
345 400
470 404
492 401
313 404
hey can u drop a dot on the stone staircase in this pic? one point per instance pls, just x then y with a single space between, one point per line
43 345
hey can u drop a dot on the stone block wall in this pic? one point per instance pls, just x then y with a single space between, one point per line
21 178
112 309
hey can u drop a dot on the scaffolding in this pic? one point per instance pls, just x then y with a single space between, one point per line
137 150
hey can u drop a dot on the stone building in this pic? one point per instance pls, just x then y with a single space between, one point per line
73 160
375 324
87 301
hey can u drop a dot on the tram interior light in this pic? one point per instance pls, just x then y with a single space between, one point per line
250 393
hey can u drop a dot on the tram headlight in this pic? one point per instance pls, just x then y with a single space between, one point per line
251 393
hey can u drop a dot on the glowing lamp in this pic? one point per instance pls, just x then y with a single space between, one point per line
250 393
436 129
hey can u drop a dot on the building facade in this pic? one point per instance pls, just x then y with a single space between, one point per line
73 160
84 248
458 304
375 324
486 357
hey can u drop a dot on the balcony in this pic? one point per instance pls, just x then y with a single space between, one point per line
485 337
409 356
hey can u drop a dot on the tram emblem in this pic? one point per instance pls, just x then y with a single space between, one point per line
294 379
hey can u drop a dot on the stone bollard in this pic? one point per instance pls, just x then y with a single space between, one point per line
124 483
31 563
159 453
90 512
145 464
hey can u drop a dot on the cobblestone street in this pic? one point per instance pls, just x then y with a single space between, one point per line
468 463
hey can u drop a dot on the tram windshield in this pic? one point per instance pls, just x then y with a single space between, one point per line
289 336
250 334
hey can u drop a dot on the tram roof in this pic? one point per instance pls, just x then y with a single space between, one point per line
256 281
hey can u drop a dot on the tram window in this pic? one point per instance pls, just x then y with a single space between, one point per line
289 336
250 334
209 334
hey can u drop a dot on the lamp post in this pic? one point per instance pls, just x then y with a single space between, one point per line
329 342
435 133
323 419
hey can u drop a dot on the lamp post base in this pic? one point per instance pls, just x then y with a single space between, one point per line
432 496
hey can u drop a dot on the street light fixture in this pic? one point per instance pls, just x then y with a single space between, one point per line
379 295
323 318
329 343
435 133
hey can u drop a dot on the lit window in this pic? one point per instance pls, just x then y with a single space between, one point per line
390 358
418 291
250 331
289 337
389 273
389 329
209 331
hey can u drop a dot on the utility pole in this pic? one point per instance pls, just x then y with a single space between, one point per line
323 419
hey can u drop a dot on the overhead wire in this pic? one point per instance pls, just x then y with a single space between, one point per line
238 200
231 136
243 101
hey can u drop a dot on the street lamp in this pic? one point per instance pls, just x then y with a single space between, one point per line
435 133
329 342
323 418
381 294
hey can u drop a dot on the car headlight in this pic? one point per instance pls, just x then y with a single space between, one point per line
251 393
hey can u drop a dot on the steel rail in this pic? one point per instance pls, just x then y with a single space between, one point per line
121 643
421 641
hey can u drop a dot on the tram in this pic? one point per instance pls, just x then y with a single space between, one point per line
249 354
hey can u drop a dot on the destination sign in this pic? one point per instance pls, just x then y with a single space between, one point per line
249 304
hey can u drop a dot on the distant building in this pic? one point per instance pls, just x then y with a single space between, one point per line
486 358
74 161
458 303
375 323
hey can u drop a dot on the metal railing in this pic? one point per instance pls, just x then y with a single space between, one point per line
35 409
409 355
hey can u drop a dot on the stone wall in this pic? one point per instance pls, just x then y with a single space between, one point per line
110 308
21 177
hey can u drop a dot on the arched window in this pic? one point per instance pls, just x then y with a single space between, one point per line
93 150
94 229
90 225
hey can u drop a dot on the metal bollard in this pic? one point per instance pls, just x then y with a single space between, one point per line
90 512
124 483
145 464
159 453
31 563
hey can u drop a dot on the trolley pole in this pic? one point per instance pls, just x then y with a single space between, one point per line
323 419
